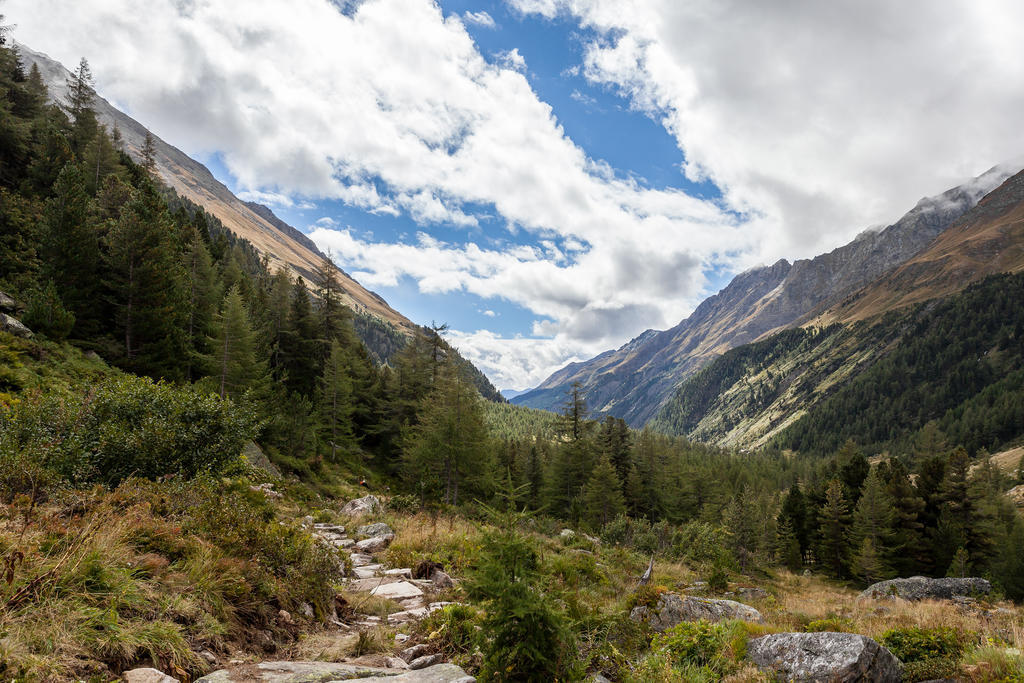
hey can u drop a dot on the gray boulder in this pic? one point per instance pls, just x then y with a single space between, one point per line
439 673
924 588
367 505
376 529
295 672
8 304
148 675
825 658
14 326
375 544
673 609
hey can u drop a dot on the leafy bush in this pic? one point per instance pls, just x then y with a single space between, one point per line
404 503
128 426
915 644
830 623
453 629
698 642
934 668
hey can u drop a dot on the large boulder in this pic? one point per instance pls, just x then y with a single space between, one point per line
375 544
924 588
673 609
8 304
14 326
295 672
439 673
147 675
367 505
825 658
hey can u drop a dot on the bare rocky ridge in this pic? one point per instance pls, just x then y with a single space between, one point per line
635 380
283 244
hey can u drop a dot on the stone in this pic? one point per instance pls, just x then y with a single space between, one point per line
397 663
307 610
425 661
328 528
376 529
296 672
441 580
210 658
404 573
397 591
360 560
285 617
367 505
258 459
752 593
148 675
825 658
924 588
14 326
567 534
367 572
673 609
439 673
411 653
8 304
375 544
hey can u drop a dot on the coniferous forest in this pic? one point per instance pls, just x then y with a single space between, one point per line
165 347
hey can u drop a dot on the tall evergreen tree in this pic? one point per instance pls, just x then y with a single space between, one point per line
833 523
336 405
233 363
602 495
78 106
871 535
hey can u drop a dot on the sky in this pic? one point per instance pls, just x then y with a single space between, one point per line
553 177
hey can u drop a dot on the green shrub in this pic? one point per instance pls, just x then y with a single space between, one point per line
697 642
934 668
830 623
453 629
46 313
915 644
128 426
404 503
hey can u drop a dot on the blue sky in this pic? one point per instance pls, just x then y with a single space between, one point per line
553 177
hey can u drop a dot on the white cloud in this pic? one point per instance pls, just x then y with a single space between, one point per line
274 199
480 18
511 59
820 118
490 314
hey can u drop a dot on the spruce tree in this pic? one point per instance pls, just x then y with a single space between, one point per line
871 535
741 522
78 106
910 554
300 343
336 406
833 522
787 545
794 514
602 495
233 364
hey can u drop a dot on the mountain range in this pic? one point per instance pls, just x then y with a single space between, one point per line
635 381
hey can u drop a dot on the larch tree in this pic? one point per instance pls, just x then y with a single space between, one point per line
336 405
833 520
602 495
233 362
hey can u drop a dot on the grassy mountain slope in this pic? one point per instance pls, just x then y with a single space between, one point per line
635 380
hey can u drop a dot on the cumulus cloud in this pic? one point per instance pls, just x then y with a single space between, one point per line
821 118
274 199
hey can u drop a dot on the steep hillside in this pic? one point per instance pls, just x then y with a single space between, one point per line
956 362
635 380
987 239
280 242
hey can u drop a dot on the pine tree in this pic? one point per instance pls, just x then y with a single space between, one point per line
602 495
853 469
787 546
833 521
872 531
741 522
336 406
233 364
78 106
794 514
203 296
910 554
149 155
300 343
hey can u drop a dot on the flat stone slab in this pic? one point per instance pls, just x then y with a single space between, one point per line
297 672
366 585
360 560
367 572
405 573
672 609
439 673
397 591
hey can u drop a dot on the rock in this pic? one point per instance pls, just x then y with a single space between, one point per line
752 593
148 676
425 568
411 653
360 560
307 521
924 588
441 580
375 544
1016 495
8 304
376 529
307 610
258 459
267 489
14 326
439 673
285 617
404 573
673 609
397 663
567 534
367 505
397 591
424 661
328 528
210 658
598 678
296 672
825 658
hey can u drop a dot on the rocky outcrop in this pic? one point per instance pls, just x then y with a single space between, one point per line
825 658
924 588
8 304
376 529
324 672
12 325
367 505
673 609
375 544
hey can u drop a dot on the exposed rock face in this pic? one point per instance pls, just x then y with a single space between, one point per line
14 326
148 676
633 381
367 505
8 304
924 588
673 609
377 529
825 658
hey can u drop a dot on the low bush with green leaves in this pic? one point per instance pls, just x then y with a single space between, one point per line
702 649
915 644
